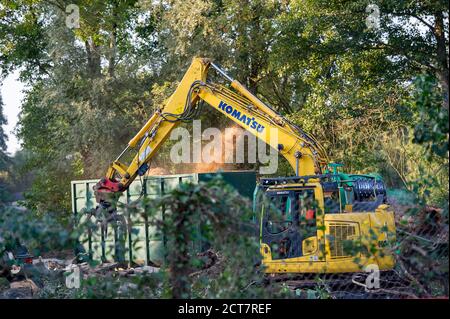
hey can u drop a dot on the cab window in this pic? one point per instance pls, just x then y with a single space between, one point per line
306 207
279 216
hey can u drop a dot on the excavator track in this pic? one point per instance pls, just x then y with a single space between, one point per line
343 285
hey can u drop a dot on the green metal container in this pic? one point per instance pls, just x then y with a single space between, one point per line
142 245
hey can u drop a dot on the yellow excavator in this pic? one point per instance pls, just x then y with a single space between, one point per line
318 221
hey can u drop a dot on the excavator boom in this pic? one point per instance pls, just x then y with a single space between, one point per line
304 154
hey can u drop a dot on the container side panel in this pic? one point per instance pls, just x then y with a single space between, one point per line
154 188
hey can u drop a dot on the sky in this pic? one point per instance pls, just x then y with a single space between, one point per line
12 95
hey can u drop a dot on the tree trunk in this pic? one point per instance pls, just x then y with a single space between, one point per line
112 44
442 57
179 258
112 52
93 59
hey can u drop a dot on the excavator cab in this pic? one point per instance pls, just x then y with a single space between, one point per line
304 228
289 217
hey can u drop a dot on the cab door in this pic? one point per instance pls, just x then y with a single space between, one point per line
279 225
288 217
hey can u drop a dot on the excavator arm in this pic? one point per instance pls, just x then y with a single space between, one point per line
304 153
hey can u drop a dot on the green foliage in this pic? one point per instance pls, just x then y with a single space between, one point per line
4 160
362 92
432 127
37 234
315 61
23 40
208 217
198 218
77 112
211 215
422 246
423 231
215 217
3 137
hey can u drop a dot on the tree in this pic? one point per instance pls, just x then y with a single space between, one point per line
83 109
3 137
356 82
316 61
3 155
